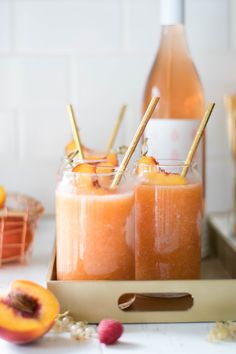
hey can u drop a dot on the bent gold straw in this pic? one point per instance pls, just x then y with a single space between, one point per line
116 129
197 139
134 142
75 132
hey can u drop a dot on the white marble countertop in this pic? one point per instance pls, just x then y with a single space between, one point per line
140 338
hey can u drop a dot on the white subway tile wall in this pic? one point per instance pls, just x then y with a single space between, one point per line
8 138
69 25
232 34
97 54
207 22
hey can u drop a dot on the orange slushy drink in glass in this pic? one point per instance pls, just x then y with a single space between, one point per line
168 212
95 224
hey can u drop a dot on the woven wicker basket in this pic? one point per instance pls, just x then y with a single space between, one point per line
18 222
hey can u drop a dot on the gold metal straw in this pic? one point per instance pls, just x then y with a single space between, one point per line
134 142
116 129
230 105
197 138
75 132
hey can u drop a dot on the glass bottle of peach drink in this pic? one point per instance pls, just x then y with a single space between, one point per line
168 211
95 224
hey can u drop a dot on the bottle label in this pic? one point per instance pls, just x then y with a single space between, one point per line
172 138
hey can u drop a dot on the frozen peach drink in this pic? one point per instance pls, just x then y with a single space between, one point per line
95 226
168 209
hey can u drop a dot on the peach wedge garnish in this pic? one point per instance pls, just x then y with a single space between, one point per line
112 158
157 177
104 167
163 178
71 147
27 312
147 160
86 174
145 163
84 168
105 173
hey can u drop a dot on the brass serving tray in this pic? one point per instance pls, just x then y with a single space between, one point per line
211 298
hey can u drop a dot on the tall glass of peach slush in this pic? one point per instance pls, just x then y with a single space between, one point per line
168 213
94 224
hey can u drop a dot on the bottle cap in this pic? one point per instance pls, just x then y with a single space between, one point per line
172 12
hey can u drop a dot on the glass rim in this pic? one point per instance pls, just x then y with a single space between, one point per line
98 174
169 163
77 160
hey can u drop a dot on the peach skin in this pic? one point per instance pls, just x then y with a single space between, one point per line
27 312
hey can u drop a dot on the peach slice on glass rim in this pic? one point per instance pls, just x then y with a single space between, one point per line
112 158
146 163
27 312
104 167
89 154
84 168
86 175
165 179
95 157
147 160
156 176
105 174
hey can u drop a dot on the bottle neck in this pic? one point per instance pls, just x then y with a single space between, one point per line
173 39
172 12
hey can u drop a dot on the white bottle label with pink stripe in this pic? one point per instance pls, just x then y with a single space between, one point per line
172 138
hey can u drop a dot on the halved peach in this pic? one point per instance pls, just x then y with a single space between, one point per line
86 177
163 178
27 312
2 196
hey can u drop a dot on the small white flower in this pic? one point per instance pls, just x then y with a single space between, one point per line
74 328
81 324
67 322
57 328
89 332
78 334
223 331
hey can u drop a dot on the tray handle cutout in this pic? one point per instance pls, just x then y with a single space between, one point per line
169 301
